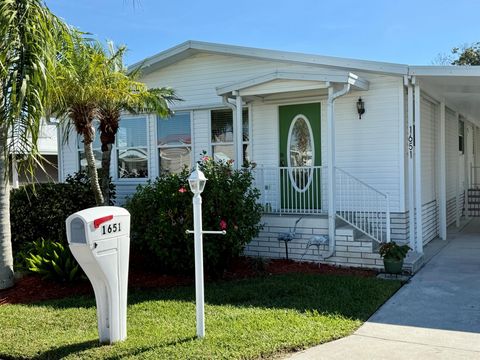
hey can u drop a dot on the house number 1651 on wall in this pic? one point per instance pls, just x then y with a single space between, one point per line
111 228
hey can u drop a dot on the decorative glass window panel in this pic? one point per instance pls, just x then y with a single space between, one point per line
174 142
132 151
300 153
300 143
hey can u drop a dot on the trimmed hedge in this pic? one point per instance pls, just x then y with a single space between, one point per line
39 211
162 212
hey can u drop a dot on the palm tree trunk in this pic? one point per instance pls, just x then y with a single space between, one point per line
6 257
92 172
106 156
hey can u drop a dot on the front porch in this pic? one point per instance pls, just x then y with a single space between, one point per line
299 191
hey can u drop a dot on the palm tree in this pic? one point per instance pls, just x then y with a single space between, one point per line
124 93
80 82
30 39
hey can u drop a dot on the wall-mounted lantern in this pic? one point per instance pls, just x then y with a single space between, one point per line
360 108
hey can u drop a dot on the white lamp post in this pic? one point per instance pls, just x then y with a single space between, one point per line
197 181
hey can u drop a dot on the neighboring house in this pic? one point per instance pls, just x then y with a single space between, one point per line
414 147
48 148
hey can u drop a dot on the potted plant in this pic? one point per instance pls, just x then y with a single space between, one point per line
393 255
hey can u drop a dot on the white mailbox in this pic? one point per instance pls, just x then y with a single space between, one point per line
99 239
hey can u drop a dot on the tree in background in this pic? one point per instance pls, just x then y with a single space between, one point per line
79 79
124 93
31 38
465 55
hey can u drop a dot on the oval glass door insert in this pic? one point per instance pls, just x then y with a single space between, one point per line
301 153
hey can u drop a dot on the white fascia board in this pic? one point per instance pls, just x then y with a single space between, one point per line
330 61
334 77
164 58
470 71
187 48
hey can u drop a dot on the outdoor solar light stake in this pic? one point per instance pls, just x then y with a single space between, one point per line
197 182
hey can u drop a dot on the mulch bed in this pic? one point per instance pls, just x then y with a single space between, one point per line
32 288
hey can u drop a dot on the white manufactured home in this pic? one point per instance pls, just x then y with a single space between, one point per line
363 152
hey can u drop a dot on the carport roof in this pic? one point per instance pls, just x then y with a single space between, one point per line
458 86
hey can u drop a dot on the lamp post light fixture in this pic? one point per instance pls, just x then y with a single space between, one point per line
197 181
360 108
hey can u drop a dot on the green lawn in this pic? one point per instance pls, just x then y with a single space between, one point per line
247 319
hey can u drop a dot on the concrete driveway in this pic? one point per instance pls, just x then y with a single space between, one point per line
435 316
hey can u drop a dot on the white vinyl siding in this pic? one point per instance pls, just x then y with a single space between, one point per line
69 152
368 148
428 120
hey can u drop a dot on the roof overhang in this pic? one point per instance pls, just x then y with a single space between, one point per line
282 81
191 47
457 86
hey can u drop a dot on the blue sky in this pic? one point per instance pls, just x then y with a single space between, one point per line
403 31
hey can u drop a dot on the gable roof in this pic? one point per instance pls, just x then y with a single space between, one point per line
317 79
191 47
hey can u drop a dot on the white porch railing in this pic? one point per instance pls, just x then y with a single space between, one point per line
362 206
474 177
303 190
295 190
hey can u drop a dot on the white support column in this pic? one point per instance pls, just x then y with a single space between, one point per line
418 171
239 132
411 168
227 103
457 187
442 175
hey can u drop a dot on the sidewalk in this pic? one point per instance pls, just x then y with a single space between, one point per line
435 316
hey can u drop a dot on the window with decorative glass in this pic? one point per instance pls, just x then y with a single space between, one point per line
174 142
97 149
132 148
222 134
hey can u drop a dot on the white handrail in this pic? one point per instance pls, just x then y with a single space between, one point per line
302 190
362 206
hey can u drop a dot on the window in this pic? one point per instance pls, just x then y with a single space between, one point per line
97 149
461 136
132 150
174 142
222 135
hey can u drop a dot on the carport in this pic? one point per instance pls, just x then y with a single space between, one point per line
442 137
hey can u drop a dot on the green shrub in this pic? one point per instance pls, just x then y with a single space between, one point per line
162 212
39 211
52 260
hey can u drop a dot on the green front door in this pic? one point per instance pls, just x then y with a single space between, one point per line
300 153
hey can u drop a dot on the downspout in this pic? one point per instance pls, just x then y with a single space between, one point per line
234 116
332 215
